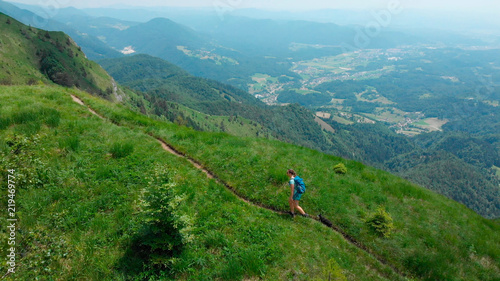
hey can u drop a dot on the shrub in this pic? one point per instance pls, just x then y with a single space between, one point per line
381 222
55 70
340 168
333 271
166 230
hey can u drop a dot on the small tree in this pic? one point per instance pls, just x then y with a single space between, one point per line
166 229
381 222
340 169
332 272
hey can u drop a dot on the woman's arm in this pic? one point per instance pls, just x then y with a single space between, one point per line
292 189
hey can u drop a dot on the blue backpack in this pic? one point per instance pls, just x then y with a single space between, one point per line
300 186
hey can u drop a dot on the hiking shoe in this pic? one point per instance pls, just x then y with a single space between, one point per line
291 214
305 215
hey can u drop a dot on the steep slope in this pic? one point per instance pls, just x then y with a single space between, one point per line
432 237
99 201
31 56
83 181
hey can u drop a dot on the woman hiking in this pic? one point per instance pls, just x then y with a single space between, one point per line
295 194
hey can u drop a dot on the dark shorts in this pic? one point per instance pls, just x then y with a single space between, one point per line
296 195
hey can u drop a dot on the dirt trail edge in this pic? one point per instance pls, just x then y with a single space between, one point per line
167 147
79 101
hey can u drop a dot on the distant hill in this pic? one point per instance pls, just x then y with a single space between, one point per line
266 37
91 45
167 33
33 56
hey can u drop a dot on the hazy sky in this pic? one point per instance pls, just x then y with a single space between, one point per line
486 6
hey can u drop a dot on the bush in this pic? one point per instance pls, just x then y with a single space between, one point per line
166 230
333 271
340 169
381 222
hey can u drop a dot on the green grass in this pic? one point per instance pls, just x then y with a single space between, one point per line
81 213
434 238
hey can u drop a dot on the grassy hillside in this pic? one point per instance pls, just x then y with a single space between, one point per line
434 238
90 193
34 56
95 201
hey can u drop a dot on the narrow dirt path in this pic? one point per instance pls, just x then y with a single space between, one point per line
172 150
79 101
196 164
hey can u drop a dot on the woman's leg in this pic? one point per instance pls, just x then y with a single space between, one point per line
292 205
296 206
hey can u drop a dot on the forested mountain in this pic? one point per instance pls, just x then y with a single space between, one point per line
451 176
196 52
